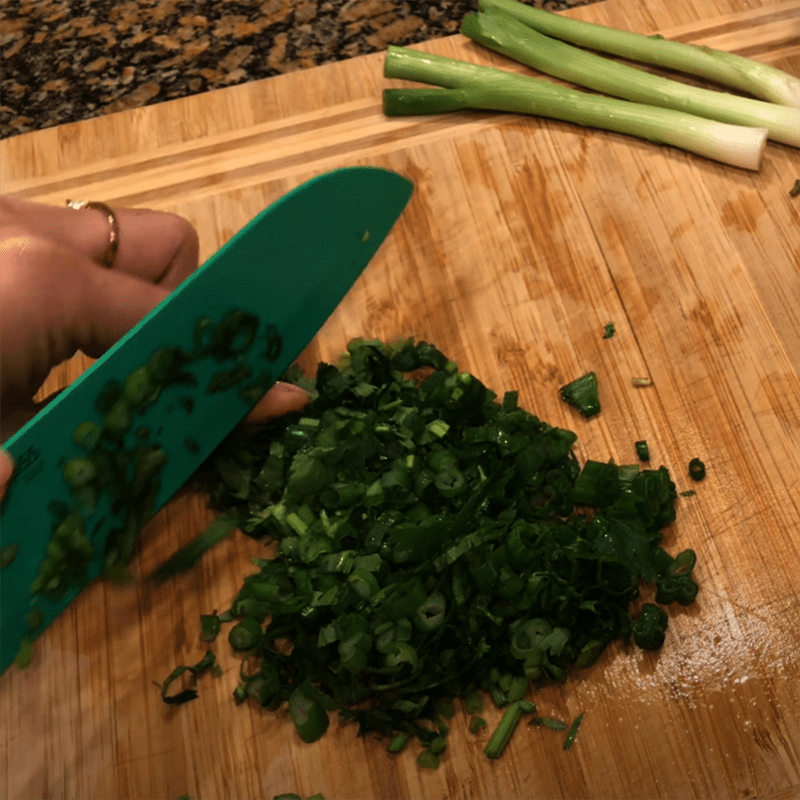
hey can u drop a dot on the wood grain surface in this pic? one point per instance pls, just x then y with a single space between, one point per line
523 238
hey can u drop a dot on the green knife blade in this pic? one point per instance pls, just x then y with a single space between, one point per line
236 324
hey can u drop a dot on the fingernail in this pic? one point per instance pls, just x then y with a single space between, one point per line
293 388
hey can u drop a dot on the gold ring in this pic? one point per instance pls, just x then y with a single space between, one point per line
110 254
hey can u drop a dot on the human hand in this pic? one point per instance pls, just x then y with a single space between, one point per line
59 298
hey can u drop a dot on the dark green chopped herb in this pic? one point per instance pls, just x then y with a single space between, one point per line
582 393
689 493
428 760
473 703
8 553
287 796
573 732
795 190
650 629
609 330
549 722
308 714
222 527
476 724
444 708
188 694
246 635
34 620
210 625
697 469
398 743
642 450
675 582
432 544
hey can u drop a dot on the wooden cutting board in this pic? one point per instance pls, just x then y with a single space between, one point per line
523 239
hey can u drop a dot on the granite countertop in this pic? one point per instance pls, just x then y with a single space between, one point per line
69 60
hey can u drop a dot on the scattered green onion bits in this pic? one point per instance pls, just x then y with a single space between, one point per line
127 468
434 542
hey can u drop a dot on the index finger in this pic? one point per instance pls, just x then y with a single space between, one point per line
153 245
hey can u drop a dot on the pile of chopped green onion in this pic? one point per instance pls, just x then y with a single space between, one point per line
433 543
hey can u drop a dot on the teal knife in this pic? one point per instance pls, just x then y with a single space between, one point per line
170 390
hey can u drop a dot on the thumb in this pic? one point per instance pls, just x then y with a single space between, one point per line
6 468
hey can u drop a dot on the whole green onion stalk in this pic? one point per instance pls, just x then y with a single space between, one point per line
472 86
727 69
505 34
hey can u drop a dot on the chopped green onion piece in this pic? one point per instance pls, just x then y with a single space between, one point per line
474 703
649 630
573 732
795 190
79 471
188 694
399 742
210 625
609 330
87 435
549 722
642 450
641 381
309 716
188 556
246 635
476 723
428 760
582 393
697 469
502 735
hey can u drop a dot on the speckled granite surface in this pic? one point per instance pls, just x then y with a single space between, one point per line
70 60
